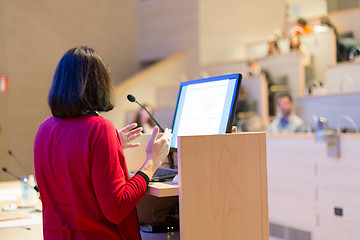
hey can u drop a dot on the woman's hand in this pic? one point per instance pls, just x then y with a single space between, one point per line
156 151
128 134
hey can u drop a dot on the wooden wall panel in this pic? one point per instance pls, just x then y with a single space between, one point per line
223 186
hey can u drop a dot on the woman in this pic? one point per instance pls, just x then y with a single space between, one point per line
144 120
78 156
296 45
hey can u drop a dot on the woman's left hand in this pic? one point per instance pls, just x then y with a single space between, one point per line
128 134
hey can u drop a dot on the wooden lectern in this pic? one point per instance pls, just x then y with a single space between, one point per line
223 187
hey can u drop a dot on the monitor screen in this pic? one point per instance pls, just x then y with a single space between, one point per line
206 106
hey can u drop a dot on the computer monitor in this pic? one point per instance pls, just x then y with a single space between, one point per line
206 106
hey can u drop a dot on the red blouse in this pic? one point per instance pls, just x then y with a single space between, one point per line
83 180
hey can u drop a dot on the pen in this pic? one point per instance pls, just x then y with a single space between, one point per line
10 219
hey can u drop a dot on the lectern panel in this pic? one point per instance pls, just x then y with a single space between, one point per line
223 186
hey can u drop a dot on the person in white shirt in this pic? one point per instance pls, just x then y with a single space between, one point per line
286 121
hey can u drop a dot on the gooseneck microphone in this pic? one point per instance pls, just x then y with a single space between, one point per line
131 98
10 173
18 178
17 161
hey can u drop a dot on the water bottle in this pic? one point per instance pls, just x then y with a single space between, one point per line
322 124
321 127
32 195
24 190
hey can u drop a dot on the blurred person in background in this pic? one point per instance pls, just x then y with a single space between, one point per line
256 70
296 45
273 48
286 121
144 120
301 28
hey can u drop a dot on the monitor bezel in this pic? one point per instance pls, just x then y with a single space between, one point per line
237 76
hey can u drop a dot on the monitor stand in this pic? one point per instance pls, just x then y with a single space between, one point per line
171 159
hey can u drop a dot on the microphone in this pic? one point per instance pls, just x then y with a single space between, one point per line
131 98
12 174
18 178
18 162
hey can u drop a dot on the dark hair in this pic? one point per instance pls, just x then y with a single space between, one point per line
302 21
291 43
81 84
282 95
326 21
274 42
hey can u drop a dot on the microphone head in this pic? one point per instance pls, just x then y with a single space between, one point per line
10 152
4 169
131 98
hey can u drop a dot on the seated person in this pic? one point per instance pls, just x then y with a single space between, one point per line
246 118
287 121
324 22
243 104
273 48
301 28
296 45
255 70
144 120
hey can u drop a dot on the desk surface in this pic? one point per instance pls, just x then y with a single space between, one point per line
163 189
10 193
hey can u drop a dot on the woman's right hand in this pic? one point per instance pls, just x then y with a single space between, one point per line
156 151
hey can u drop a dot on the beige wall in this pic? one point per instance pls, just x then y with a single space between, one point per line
167 27
34 36
209 31
305 8
227 27
3 97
